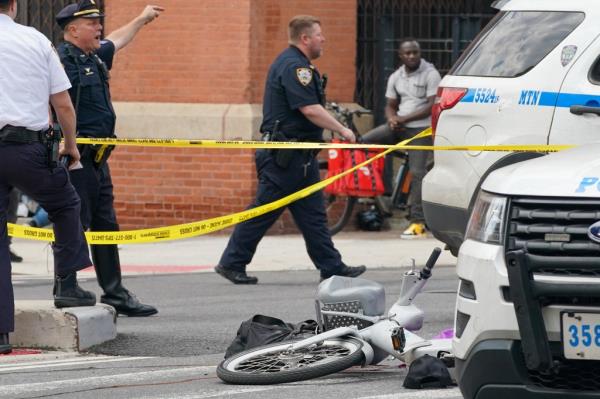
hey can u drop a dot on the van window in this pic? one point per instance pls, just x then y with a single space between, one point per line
512 47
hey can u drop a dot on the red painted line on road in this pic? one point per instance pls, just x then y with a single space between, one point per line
159 268
18 352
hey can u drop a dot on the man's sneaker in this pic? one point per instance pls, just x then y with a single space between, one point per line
67 293
346 271
415 230
234 276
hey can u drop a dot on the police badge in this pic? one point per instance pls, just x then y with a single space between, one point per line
567 55
304 75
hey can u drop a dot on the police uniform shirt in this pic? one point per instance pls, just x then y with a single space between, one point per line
90 92
292 82
30 72
413 88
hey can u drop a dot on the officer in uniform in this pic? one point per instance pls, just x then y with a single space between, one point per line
292 111
30 77
87 61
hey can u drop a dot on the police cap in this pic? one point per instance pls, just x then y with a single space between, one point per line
82 9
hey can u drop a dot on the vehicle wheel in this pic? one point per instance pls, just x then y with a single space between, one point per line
275 364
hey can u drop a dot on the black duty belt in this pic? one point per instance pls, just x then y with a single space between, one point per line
13 134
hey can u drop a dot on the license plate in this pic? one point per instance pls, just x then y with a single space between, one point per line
581 335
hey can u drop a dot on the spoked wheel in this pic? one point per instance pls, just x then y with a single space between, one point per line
275 364
339 210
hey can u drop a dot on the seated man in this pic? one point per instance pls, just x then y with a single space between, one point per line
410 94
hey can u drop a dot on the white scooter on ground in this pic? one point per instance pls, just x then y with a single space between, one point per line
350 311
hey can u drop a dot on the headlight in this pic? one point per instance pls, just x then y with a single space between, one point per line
487 219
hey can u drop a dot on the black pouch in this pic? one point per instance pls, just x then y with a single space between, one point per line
262 330
427 372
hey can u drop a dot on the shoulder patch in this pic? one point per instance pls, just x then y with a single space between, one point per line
304 75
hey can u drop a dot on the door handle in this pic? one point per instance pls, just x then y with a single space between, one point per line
584 109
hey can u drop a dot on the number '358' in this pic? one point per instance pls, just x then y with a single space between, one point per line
586 335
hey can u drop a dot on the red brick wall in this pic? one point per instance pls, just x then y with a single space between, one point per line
209 51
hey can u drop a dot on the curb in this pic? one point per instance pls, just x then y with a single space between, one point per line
38 324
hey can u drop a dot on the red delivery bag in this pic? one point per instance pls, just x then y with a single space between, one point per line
367 181
335 166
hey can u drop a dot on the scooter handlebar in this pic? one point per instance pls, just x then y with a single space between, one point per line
426 271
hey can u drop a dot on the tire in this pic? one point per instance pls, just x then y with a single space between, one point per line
337 221
336 354
338 207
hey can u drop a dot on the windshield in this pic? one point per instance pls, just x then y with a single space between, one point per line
511 47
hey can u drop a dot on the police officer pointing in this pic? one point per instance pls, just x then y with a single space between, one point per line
292 111
31 77
87 61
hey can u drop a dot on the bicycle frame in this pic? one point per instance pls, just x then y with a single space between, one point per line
391 334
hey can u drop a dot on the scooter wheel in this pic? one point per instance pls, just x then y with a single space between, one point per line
276 363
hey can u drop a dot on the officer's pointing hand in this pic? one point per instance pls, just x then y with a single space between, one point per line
150 13
348 135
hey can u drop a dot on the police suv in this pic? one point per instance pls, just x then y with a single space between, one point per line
528 309
532 76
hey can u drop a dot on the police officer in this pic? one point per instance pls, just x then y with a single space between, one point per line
292 110
30 77
87 61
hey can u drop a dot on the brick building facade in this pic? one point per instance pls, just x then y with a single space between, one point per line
198 72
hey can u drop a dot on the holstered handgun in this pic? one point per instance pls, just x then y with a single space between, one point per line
282 157
52 140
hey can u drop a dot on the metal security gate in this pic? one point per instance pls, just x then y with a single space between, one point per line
40 14
444 28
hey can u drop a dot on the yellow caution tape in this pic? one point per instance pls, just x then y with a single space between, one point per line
188 230
304 145
193 229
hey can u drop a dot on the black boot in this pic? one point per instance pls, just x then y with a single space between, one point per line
234 276
67 293
108 272
14 258
346 271
4 345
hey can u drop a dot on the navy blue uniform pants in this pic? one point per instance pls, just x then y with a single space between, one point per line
25 166
95 188
308 213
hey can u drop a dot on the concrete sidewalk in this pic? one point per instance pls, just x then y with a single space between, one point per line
277 252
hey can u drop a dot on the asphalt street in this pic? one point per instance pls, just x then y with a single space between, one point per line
175 354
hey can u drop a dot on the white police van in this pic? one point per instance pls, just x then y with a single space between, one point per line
528 309
532 76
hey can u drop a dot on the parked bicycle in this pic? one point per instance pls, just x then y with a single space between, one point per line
356 331
340 207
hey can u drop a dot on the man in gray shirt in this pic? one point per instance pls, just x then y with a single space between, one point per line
410 94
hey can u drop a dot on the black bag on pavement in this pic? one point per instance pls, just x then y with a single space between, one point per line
262 330
427 372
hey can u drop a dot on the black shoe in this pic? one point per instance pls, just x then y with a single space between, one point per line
235 277
129 305
67 293
4 345
14 257
347 271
